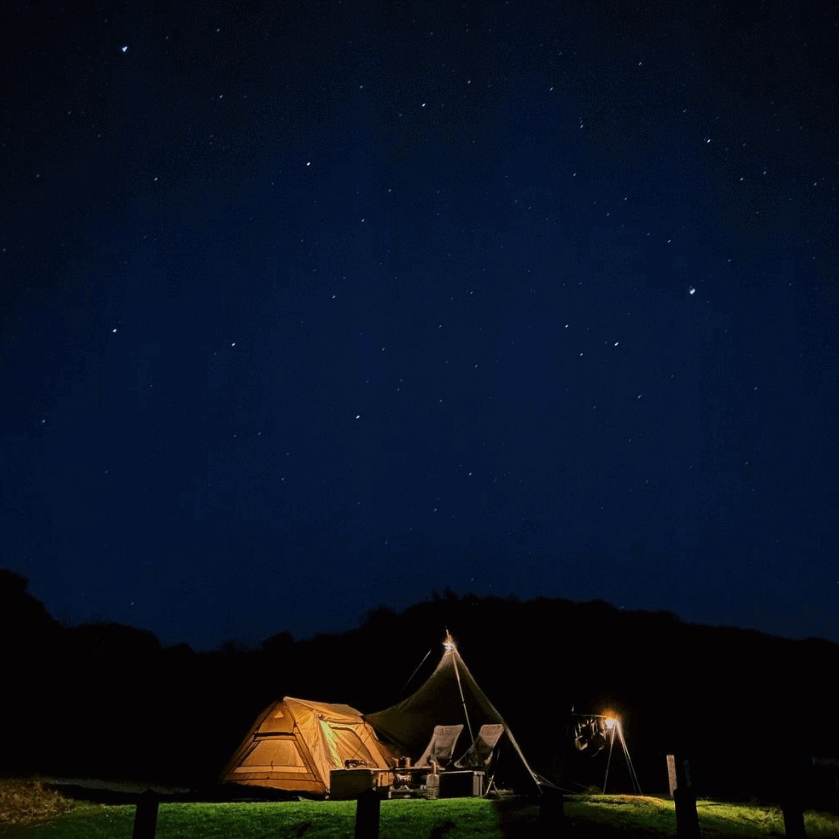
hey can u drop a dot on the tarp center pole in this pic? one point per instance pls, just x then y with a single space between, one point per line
463 700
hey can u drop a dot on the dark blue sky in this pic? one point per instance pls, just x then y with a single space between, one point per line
311 307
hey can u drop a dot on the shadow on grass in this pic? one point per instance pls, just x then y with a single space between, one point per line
519 816
624 817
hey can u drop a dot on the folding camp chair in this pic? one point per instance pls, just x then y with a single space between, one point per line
479 755
441 747
480 752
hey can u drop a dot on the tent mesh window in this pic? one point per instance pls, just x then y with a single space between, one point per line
350 747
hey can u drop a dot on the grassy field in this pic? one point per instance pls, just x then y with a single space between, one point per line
31 810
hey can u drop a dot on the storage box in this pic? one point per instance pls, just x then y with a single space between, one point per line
465 784
350 783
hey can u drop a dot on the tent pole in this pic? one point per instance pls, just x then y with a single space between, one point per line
611 746
410 678
462 698
635 783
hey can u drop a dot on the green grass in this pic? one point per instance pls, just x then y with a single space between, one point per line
656 817
41 813
458 819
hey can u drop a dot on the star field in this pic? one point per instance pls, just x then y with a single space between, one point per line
308 308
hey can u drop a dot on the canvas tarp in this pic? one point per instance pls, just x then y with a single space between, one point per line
450 696
294 744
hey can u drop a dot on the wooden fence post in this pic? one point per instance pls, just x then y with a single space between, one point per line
145 816
687 820
551 813
367 815
794 775
671 776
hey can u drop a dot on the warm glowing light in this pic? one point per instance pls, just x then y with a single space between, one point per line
448 644
611 721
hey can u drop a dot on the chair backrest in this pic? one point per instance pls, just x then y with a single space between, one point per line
441 747
480 752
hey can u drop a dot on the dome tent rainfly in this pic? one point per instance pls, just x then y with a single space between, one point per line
451 696
294 744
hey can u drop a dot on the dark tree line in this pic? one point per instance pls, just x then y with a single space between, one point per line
107 700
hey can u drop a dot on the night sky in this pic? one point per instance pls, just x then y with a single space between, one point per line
311 307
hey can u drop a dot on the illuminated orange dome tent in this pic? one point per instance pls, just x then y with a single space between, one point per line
295 744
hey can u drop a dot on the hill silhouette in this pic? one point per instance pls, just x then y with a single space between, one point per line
107 700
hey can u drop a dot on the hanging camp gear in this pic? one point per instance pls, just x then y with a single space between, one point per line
590 735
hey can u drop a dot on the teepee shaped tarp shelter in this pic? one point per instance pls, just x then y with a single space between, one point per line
294 744
449 697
